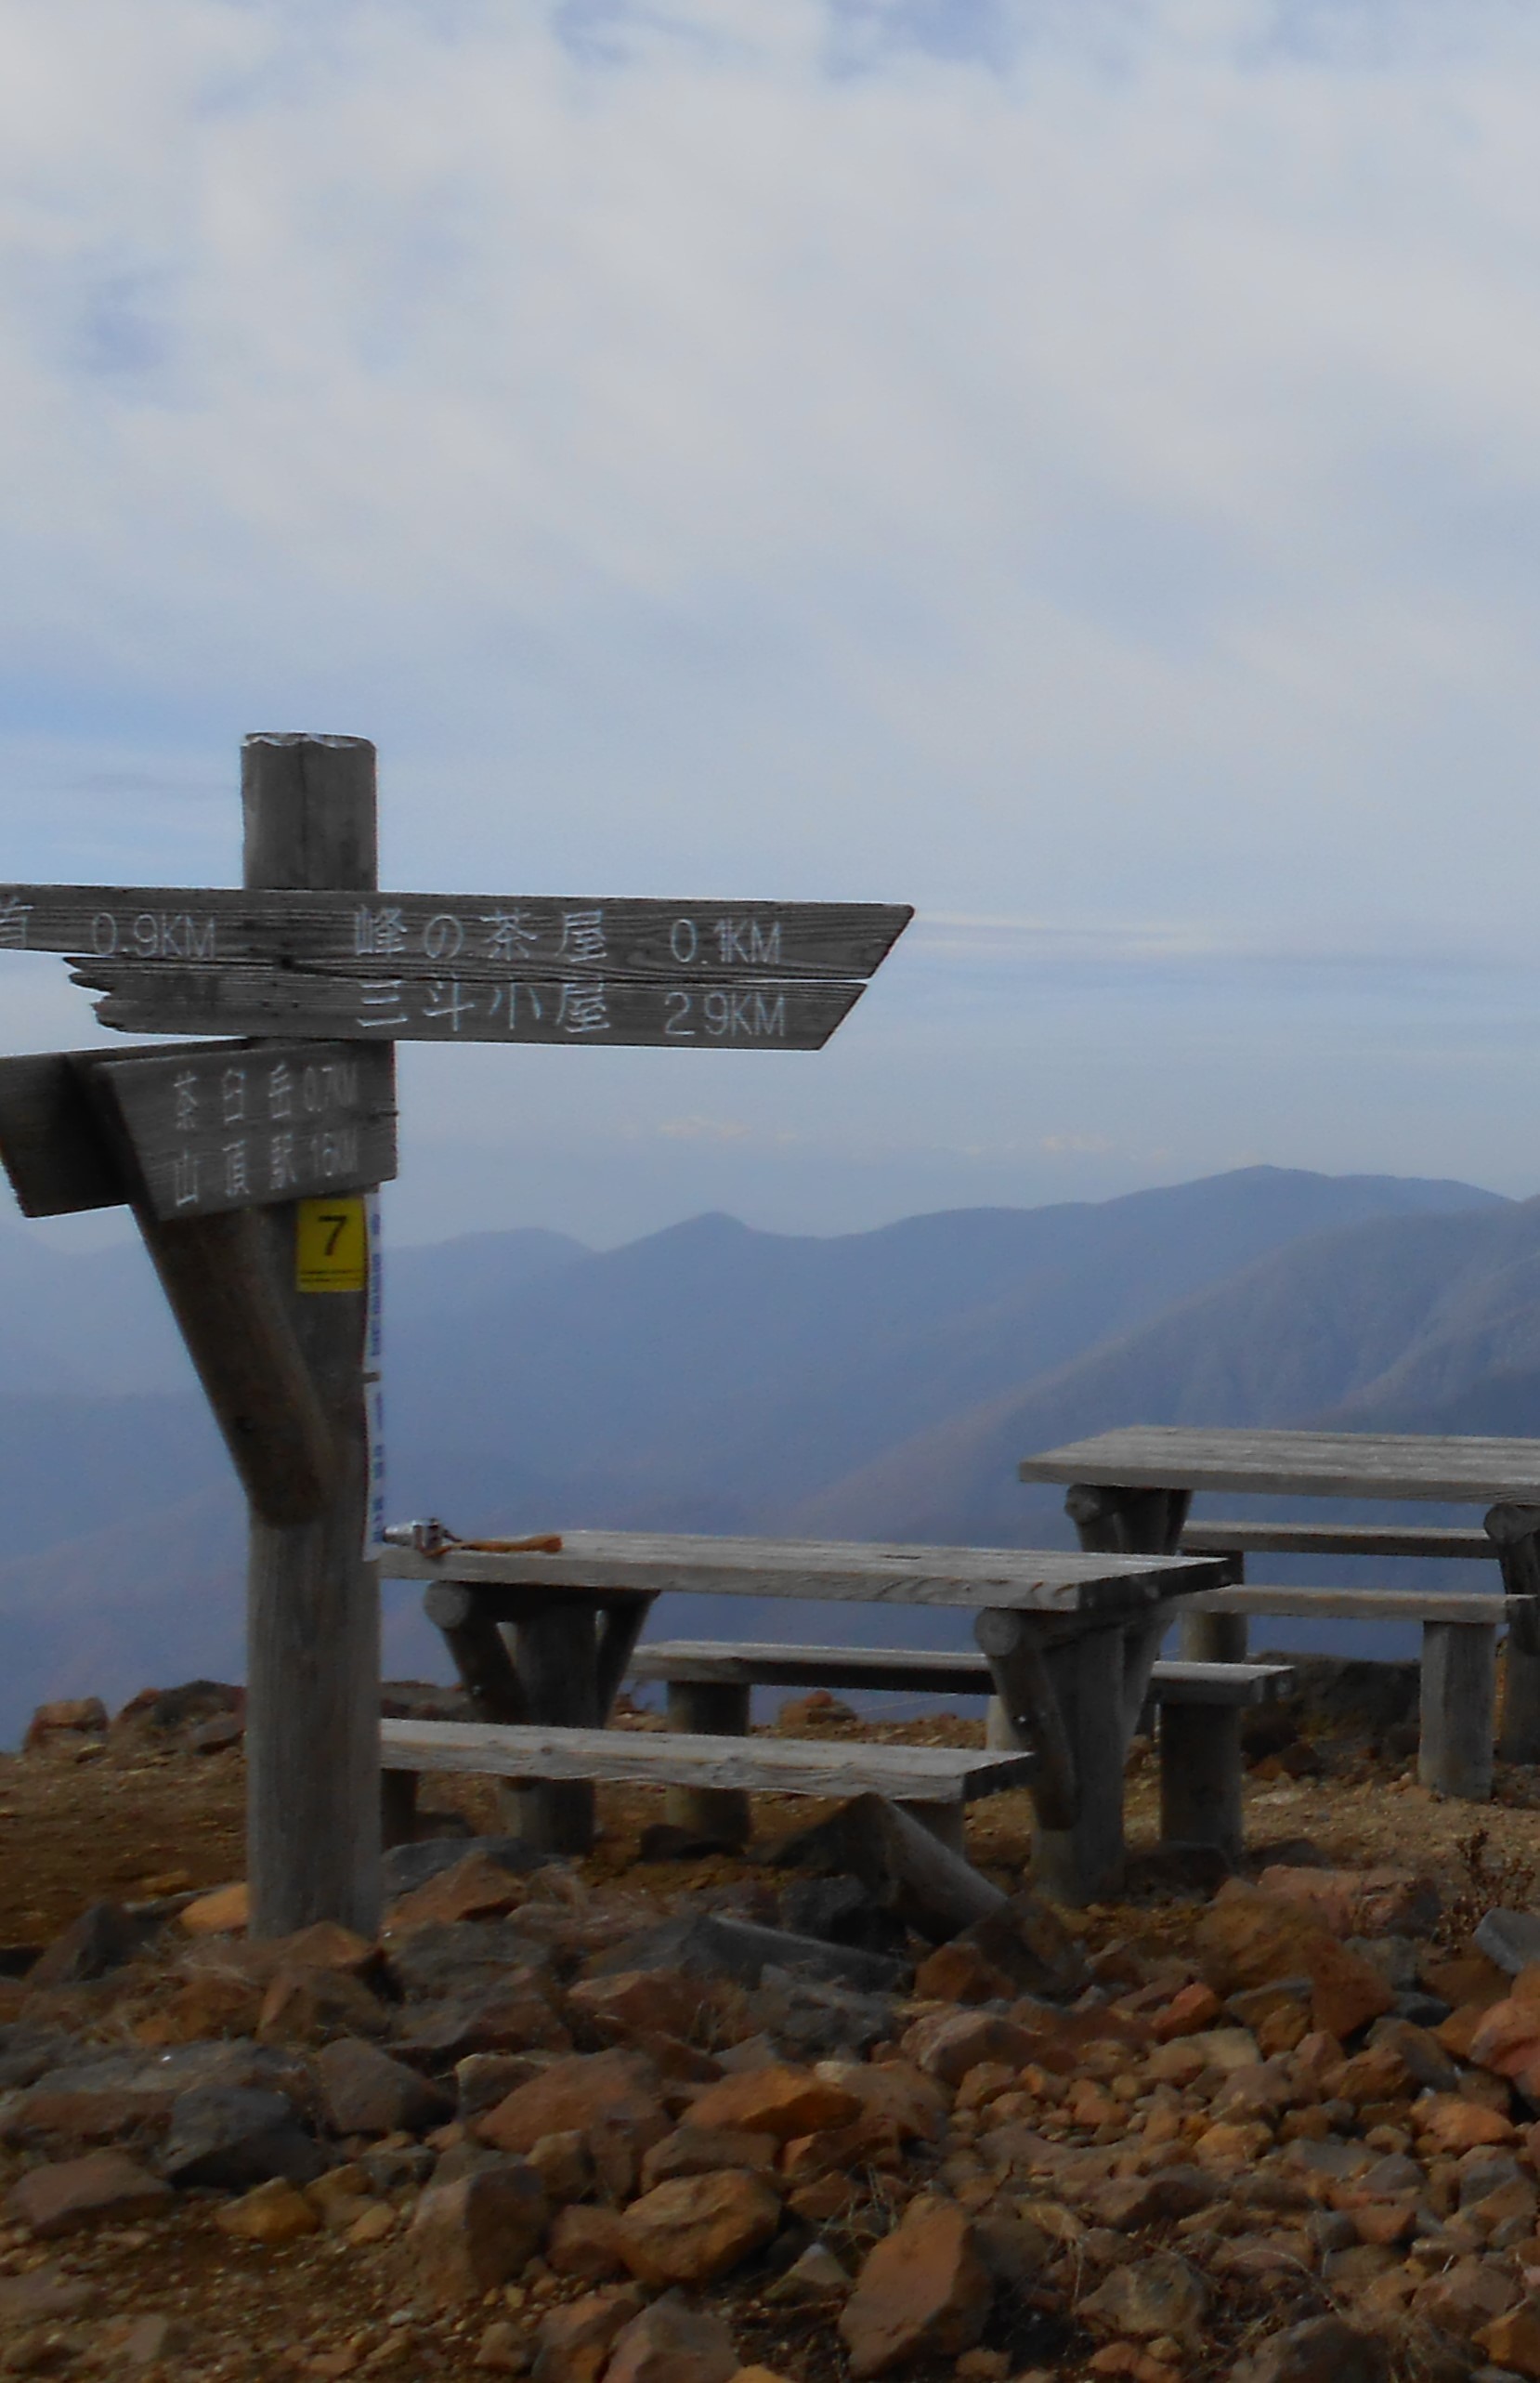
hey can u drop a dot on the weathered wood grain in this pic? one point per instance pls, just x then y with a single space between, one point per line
783 1766
917 1672
145 997
1029 1580
1200 1779
313 1642
239 1126
471 935
1324 1464
1333 1539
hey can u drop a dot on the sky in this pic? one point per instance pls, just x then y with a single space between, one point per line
1068 465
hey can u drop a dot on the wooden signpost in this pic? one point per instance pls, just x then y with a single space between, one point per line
249 1165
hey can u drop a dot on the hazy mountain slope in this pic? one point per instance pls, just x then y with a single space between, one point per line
1331 1329
707 1376
712 1377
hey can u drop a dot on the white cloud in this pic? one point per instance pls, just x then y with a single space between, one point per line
1068 461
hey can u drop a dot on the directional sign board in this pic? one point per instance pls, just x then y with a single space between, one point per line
238 1128
471 968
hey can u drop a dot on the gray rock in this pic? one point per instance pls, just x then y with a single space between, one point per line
232 2136
810 2020
839 1911
102 1938
1396 1959
1324 2350
365 2092
27 2053
1422 2009
1511 1939
460 1955
705 1944
406 1867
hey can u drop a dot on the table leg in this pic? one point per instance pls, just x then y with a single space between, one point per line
555 1656
1459 1678
1083 1862
1126 1522
710 1708
1516 1533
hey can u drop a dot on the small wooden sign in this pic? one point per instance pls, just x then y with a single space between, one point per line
145 997
239 1128
466 935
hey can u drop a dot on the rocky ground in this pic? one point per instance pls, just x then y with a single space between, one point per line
668 2115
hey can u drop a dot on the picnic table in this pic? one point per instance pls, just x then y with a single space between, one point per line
1130 1490
1070 1639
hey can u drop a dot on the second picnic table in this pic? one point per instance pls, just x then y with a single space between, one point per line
1130 1490
1070 1641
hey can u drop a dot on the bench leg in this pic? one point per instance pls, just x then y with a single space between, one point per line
1200 1777
1213 1638
1084 1862
555 1656
944 1823
1459 1679
397 1808
710 1708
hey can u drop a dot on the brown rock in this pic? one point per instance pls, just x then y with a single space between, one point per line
696 2151
573 2343
563 2166
1466 2297
579 2092
671 2343
365 2092
1197 2007
1448 2123
819 1708
42 2295
311 2006
637 2002
503 2350
1130 2202
467 2237
923 2291
1506 2040
1322 2350
1512 2341
325 1944
477 1888
782 2102
914 2105
65 2195
1359 1903
271 2213
696 2228
960 1972
587 2242
223 1913
1346 1991
206 2003
1149 2297
78 1716
1250 1939
947 2044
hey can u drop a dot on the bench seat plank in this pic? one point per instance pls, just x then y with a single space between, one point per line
1478 1612
928 1775
1334 1538
917 1672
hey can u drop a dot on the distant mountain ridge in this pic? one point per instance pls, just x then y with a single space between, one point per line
712 1376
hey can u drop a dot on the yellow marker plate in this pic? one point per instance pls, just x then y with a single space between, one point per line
331 1244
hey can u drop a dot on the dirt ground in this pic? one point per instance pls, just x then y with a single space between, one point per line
127 1825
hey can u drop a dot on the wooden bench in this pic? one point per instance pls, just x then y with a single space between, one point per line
1334 1538
1459 1691
937 1782
710 1685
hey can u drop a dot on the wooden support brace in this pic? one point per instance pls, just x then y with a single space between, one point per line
477 1651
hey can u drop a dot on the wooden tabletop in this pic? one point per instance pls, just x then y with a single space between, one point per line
1025 1579
1317 1464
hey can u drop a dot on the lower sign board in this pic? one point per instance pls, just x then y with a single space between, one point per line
238 1127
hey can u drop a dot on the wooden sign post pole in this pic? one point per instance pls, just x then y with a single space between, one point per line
313 1633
